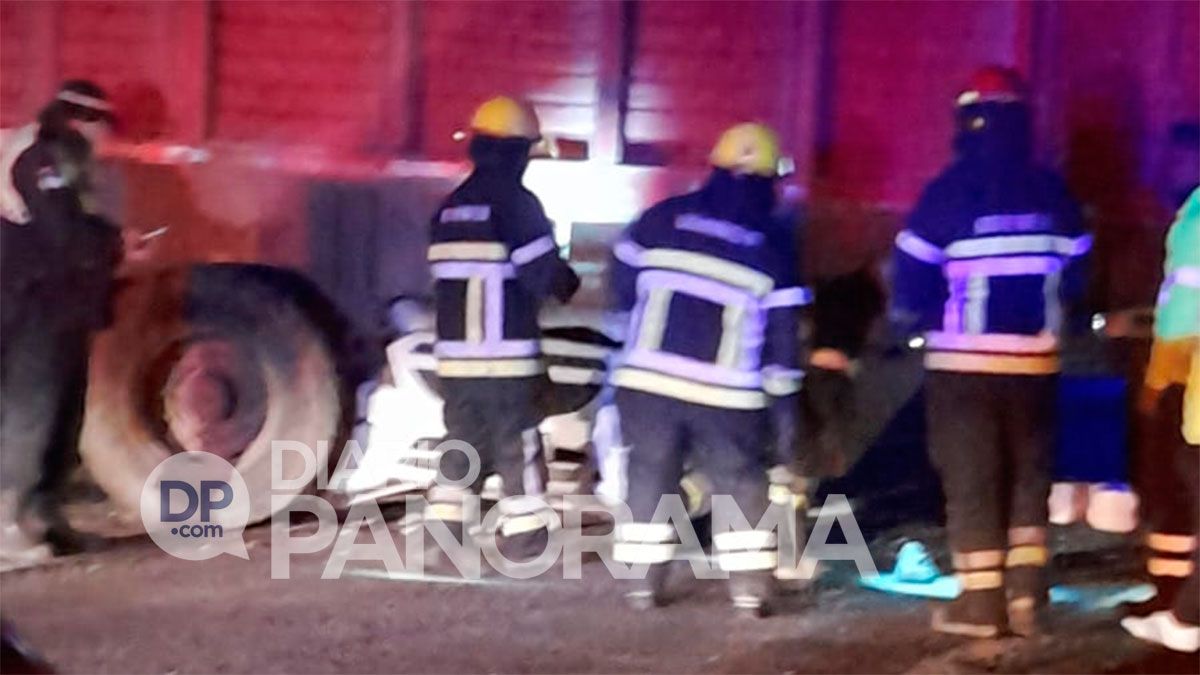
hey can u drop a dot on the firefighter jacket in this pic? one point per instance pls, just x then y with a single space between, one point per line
990 260
494 261
710 283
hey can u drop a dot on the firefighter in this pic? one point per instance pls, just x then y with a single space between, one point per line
59 255
1170 406
494 261
709 370
988 266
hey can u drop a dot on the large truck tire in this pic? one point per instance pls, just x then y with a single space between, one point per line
215 359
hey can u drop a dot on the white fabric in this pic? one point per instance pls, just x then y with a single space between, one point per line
12 144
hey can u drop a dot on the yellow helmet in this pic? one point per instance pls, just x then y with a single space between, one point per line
748 148
504 117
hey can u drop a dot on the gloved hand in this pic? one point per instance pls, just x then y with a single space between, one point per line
566 283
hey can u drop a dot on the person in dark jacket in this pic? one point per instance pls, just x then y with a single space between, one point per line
988 267
710 367
59 256
494 261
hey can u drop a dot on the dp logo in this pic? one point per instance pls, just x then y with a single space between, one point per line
195 506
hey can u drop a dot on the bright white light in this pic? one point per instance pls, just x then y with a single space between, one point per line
916 342
1098 322
584 192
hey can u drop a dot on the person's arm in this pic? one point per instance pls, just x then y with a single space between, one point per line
1074 281
843 311
918 286
781 359
624 263
530 239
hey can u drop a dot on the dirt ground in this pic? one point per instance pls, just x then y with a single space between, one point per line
134 609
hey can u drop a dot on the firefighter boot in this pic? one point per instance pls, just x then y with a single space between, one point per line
979 610
524 546
436 557
973 614
41 518
752 593
523 533
648 593
789 494
443 527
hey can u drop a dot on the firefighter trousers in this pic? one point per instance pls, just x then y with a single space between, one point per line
991 440
498 418
729 447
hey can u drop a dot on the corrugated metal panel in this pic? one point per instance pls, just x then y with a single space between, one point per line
111 43
299 72
896 70
543 51
699 67
18 54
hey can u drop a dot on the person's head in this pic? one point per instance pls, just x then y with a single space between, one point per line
745 163
503 133
80 109
1182 161
993 119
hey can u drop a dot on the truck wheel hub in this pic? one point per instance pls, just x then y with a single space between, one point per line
214 398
